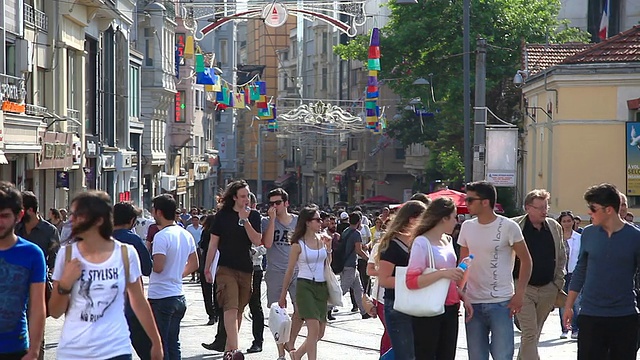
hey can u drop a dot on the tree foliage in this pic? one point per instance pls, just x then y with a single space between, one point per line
426 38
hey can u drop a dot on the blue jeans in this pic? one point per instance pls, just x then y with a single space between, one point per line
494 319
168 313
400 329
576 307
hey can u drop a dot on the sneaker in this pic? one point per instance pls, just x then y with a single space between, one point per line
354 309
282 358
366 316
564 335
255 348
574 335
335 309
330 316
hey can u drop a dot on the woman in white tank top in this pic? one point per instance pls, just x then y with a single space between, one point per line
309 252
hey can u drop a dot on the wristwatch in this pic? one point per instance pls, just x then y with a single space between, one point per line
63 291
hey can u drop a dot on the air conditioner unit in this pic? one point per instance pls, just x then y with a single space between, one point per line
168 182
24 55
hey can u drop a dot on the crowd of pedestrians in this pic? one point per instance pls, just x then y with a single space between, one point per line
515 269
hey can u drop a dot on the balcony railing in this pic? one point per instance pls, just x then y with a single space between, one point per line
171 9
35 110
36 18
73 122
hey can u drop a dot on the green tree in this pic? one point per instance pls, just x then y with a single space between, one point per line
426 38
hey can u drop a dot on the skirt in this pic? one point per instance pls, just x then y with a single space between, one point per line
311 299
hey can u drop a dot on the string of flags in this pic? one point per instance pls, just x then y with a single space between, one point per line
373 113
236 96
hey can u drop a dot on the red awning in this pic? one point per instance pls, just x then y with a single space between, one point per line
380 199
283 180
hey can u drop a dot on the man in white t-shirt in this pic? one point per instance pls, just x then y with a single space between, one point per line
494 241
172 248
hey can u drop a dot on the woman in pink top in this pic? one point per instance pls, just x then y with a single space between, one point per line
436 337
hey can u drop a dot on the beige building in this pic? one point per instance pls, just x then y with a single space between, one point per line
578 101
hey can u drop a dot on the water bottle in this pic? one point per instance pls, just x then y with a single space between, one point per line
464 264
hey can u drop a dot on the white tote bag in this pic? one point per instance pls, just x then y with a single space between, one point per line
279 324
424 302
335 290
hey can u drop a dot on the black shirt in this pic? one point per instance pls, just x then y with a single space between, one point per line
543 253
46 236
234 243
394 254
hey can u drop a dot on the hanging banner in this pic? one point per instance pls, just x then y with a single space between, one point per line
502 156
633 158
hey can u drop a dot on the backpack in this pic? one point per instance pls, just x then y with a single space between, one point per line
340 256
124 252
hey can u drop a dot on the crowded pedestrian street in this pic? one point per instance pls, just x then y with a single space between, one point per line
348 337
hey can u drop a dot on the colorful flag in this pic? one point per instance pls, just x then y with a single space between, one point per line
604 22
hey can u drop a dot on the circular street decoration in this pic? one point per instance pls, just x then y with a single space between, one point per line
275 14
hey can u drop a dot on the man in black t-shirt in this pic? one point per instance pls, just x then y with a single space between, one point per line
234 230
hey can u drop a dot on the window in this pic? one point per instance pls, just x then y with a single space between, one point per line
134 91
223 52
149 51
400 154
71 80
39 98
294 48
198 100
285 82
285 55
325 41
10 49
325 75
181 108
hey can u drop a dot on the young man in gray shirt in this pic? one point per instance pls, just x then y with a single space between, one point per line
276 229
608 261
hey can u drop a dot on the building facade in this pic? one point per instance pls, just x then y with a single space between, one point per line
576 121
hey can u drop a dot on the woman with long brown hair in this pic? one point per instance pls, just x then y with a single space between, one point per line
436 336
394 251
309 253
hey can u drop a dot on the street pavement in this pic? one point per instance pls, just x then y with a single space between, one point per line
348 337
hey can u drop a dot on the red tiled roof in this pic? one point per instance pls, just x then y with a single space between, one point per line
538 57
621 48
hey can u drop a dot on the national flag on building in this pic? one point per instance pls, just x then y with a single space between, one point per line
604 22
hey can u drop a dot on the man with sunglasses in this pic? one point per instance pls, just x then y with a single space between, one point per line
544 239
493 240
275 237
608 260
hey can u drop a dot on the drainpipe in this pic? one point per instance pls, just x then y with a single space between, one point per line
550 141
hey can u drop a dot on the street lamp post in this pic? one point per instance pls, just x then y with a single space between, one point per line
466 70
259 181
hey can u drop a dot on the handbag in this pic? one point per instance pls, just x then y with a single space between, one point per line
425 302
333 285
279 324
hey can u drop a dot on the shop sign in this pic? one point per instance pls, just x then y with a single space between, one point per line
56 151
181 185
200 170
108 162
12 97
91 147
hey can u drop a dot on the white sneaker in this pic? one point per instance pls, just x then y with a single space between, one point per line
564 335
282 358
574 335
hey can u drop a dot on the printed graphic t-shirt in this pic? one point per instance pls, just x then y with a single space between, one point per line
278 253
95 326
490 277
20 266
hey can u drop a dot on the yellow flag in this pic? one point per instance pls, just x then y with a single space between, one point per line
188 48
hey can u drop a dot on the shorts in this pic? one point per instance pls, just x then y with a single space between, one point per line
233 288
274 279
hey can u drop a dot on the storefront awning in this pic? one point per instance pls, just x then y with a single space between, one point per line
338 170
283 180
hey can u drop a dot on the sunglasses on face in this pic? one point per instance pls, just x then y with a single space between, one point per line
470 199
276 203
593 208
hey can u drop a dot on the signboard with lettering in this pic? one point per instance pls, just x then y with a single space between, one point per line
91 147
56 151
180 43
502 156
181 185
633 158
12 97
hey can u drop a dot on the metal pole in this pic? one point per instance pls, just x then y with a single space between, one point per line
466 70
480 118
259 186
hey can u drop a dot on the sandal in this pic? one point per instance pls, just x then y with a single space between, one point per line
290 351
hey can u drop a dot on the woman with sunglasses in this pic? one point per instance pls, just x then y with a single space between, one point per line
572 247
309 253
